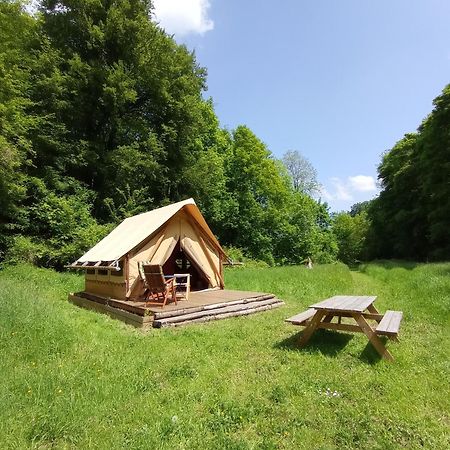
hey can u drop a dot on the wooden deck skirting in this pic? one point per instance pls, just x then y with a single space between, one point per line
138 321
202 306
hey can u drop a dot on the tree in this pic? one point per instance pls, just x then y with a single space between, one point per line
17 60
95 98
258 192
411 216
359 207
302 172
351 234
433 159
128 101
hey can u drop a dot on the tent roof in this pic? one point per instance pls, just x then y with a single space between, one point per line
132 231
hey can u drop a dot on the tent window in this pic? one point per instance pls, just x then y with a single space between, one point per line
102 272
90 271
183 263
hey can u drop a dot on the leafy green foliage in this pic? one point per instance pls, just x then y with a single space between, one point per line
411 217
61 227
351 232
16 60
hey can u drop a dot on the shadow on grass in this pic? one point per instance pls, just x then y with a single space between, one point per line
369 354
322 341
330 343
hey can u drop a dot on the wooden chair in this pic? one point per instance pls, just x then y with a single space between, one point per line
158 289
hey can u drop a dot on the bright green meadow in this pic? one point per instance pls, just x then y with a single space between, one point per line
72 378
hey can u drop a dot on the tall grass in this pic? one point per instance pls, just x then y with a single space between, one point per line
72 378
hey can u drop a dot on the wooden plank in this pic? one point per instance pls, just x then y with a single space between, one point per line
114 313
365 302
121 304
140 311
329 303
390 323
345 303
222 316
358 303
340 327
215 311
369 316
193 308
302 317
342 303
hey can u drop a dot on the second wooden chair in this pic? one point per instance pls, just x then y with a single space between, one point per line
159 290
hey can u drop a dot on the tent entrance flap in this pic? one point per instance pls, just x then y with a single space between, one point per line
180 262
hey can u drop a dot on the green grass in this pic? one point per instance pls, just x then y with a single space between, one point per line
72 378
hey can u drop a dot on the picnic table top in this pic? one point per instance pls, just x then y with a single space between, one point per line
345 303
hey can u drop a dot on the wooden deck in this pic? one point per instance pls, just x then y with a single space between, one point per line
202 306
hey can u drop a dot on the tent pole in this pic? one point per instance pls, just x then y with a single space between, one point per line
127 273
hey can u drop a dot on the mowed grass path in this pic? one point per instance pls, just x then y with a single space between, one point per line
72 378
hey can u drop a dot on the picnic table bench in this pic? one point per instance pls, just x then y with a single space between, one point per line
358 308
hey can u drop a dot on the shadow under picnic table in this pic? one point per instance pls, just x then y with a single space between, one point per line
327 342
369 354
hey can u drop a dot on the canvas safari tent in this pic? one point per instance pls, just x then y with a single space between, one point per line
175 236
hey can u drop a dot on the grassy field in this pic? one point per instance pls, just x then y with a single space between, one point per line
72 378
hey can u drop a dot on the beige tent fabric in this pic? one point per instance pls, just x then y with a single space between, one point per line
158 250
134 230
205 258
161 246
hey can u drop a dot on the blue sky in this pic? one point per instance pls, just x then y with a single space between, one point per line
339 81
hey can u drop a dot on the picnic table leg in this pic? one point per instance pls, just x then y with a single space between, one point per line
328 318
309 330
372 336
373 310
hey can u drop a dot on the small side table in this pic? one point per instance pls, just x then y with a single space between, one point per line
183 280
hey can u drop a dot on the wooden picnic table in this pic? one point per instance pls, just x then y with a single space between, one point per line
360 309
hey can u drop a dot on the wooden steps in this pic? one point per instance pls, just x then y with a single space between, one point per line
216 311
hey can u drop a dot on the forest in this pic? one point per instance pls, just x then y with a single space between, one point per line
103 116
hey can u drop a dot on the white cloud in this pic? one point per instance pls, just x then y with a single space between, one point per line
342 192
325 194
181 17
362 183
341 189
